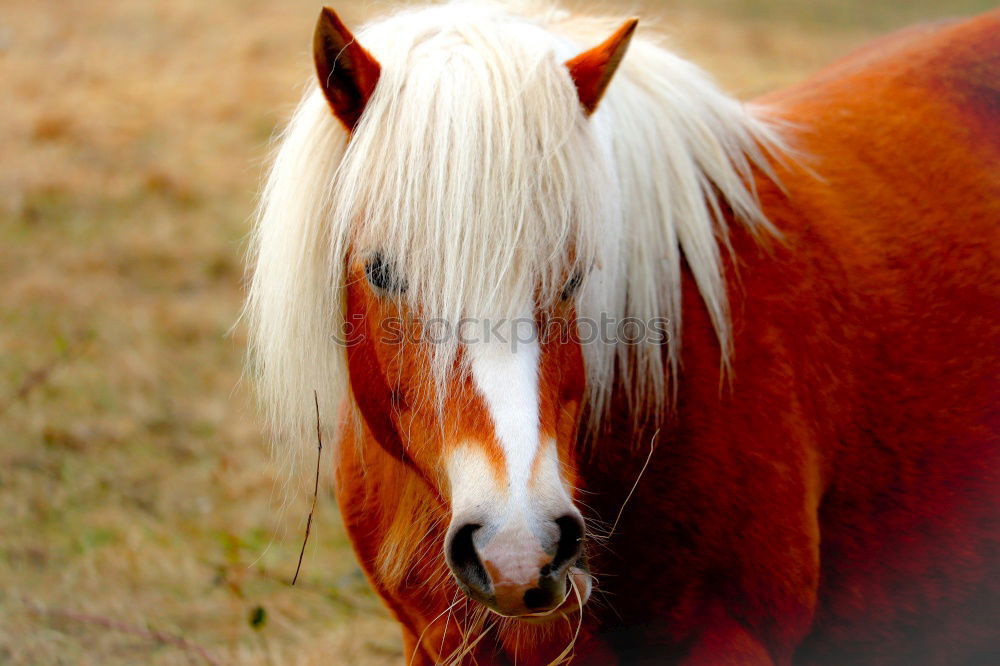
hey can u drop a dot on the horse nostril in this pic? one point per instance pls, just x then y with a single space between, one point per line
536 598
465 562
570 544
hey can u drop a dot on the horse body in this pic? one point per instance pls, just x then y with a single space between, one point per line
829 494
844 492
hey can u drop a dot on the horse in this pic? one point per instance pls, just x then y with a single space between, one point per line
621 370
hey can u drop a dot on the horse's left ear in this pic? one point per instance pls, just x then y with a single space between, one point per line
347 72
593 70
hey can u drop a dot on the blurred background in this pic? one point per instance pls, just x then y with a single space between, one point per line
140 519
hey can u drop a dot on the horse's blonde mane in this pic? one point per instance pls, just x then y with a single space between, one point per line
474 169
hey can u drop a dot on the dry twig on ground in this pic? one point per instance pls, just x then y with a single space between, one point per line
312 509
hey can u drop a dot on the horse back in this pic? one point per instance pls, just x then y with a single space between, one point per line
896 183
957 60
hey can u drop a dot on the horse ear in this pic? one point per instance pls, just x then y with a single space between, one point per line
347 72
593 70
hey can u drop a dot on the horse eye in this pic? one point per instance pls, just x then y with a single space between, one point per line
382 275
572 286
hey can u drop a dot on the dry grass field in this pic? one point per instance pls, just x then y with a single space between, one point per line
140 519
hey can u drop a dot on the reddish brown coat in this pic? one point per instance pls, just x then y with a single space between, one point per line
837 503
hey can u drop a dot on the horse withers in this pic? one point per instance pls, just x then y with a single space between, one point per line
625 371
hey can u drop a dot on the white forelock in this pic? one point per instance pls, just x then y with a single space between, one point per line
476 172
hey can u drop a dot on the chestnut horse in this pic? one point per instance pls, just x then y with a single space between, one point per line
478 243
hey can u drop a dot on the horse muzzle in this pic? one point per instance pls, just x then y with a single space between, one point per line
517 571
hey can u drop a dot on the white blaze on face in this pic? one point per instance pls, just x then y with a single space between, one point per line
506 376
515 512
507 379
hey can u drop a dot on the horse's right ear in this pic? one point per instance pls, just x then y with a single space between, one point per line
593 70
347 72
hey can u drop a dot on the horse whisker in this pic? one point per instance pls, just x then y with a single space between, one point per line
652 448
566 655
427 626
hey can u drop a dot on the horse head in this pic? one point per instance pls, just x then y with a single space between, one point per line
482 404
